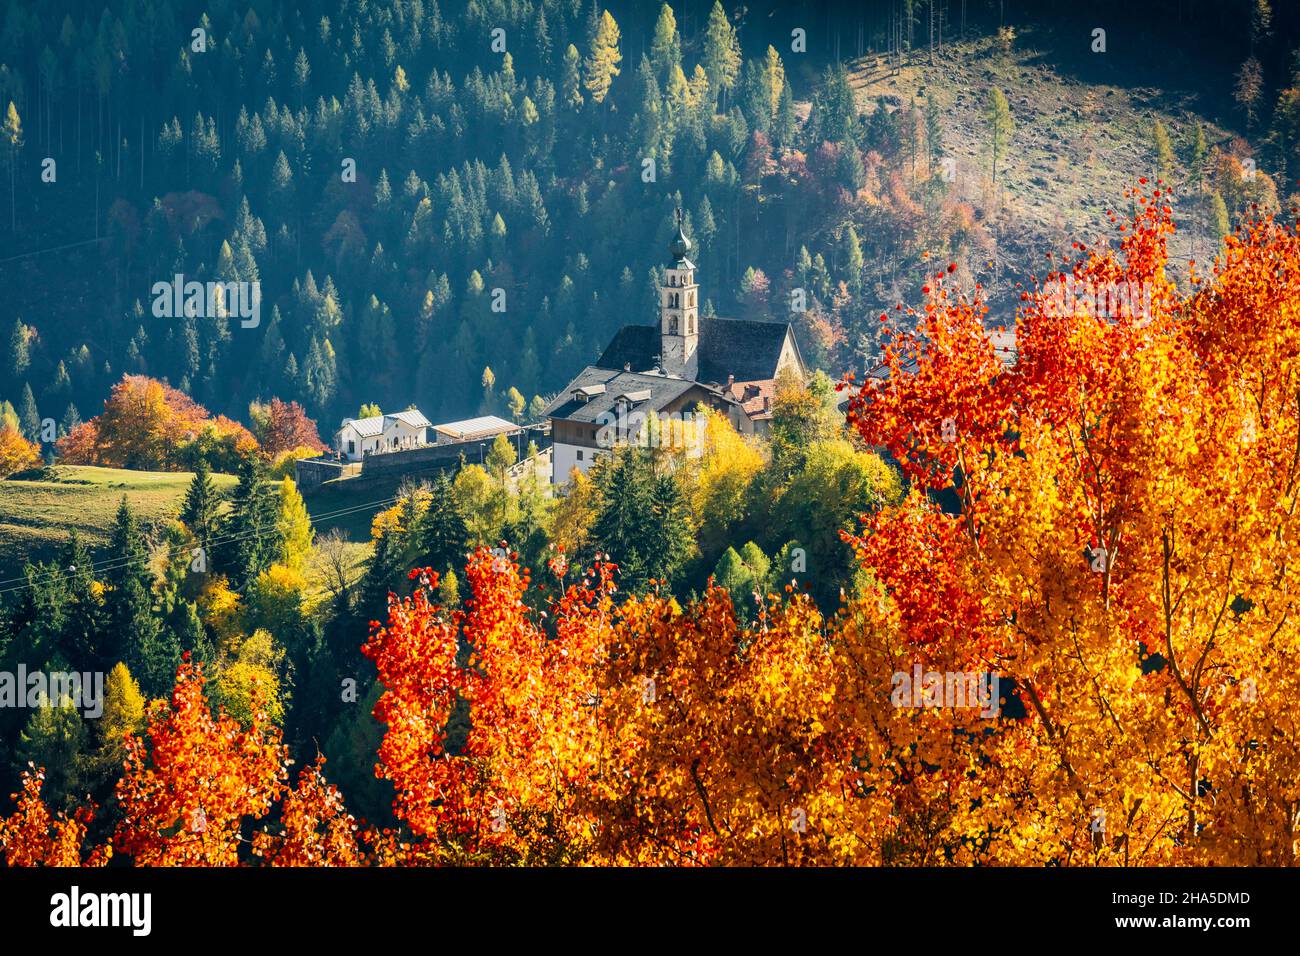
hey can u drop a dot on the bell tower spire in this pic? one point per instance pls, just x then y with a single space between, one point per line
679 332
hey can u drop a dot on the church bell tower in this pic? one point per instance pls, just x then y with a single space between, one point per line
679 311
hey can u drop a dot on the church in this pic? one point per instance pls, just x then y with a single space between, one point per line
727 364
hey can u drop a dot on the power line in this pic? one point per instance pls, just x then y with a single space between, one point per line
113 564
41 252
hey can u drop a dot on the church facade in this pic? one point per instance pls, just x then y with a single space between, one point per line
670 368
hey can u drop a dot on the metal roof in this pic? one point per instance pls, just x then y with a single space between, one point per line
365 427
375 424
475 427
412 416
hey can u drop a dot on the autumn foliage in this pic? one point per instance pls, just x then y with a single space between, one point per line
16 452
1104 523
186 793
33 836
1121 555
284 426
147 424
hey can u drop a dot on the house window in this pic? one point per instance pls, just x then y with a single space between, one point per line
352 448
579 454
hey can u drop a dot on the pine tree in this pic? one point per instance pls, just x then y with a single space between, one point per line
1220 225
622 527
191 635
571 79
784 124
123 714
55 739
71 419
11 136
721 52
998 114
293 526
155 657
28 416
542 37
384 574
83 630
834 109
1163 150
853 261
199 511
19 357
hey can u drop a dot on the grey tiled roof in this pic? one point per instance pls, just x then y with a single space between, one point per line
617 383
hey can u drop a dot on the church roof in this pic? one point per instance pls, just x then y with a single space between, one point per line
634 345
749 349
746 348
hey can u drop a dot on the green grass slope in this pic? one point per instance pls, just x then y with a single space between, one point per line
36 517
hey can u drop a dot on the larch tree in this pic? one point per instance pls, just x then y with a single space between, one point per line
998 114
666 44
602 64
721 59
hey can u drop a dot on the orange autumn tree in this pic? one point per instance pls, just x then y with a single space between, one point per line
188 791
314 829
32 836
1127 495
645 733
518 790
147 424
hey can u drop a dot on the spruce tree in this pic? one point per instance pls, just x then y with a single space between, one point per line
29 416
154 658
132 628
621 529
54 739
669 539
442 534
83 630
250 538
199 511
383 575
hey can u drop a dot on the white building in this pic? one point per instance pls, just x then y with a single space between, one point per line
381 433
